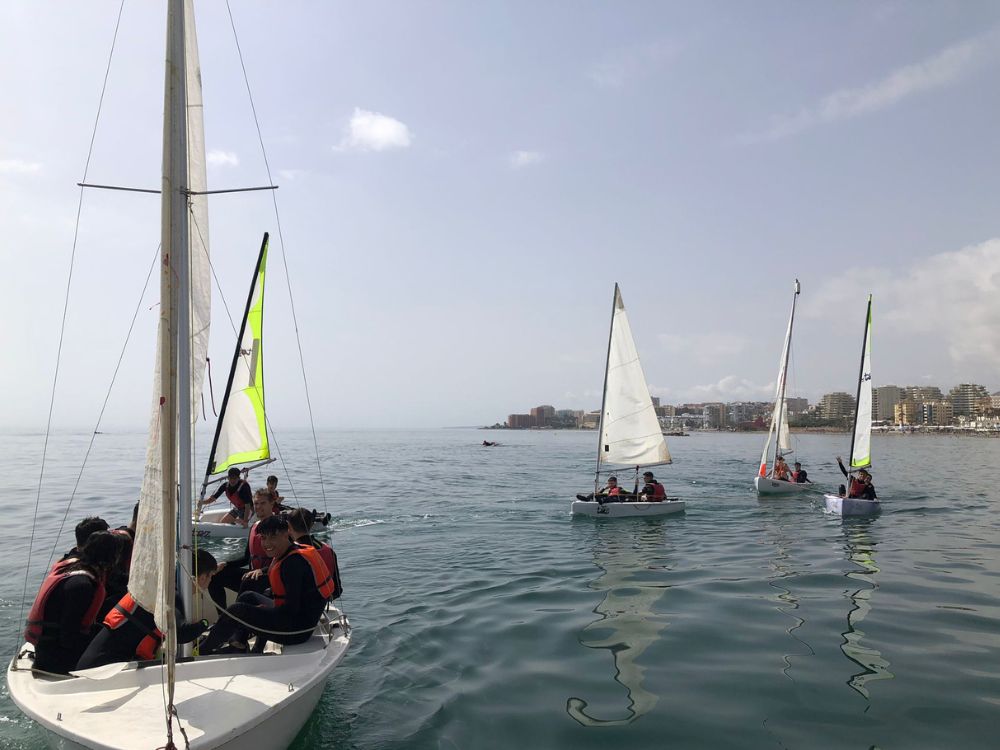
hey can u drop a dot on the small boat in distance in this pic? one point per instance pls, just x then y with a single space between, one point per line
861 435
764 482
629 434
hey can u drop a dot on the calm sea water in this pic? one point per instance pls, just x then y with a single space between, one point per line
486 617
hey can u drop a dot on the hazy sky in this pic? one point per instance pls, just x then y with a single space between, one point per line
463 182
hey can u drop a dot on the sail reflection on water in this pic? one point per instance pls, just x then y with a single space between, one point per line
860 549
628 622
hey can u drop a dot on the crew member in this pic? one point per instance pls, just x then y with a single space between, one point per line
237 491
246 570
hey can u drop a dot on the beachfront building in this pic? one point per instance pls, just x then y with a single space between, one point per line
937 413
965 397
884 400
837 405
715 416
797 405
908 412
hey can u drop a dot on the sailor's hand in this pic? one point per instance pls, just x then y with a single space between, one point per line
253 575
206 501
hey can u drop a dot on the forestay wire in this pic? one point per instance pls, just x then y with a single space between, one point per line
62 327
284 258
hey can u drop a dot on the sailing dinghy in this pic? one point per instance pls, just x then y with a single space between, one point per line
204 703
861 435
629 434
764 482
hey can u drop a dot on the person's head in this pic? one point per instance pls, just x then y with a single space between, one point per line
233 477
101 551
272 482
205 566
88 526
648 476
274 537
612 481
263 503
781 459
842 491
300 521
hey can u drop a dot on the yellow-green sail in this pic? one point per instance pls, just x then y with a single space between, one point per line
241 436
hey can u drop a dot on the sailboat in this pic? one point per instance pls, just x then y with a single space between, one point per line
207 703
629 434
861 435
764 482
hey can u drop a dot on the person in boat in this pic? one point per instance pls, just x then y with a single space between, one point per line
780 470
300 585
272 484
246 571
61 622
609 493
652 491
859 486
237 491
799 475
300 521
129 632
82 532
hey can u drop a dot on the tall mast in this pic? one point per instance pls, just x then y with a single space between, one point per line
861 374
780 405
604 392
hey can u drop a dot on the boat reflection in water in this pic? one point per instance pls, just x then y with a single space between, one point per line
628 623
860 549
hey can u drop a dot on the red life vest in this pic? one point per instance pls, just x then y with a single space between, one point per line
233 493
857 488
124 611
659 492
614 490
327 554
321 573
258 557
36 624
795 476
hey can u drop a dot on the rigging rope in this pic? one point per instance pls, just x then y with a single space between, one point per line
284 258
62 328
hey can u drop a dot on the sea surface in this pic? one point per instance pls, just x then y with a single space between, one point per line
485 616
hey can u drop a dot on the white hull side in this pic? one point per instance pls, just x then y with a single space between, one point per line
207 526
848 506
776 487
225 703
621 510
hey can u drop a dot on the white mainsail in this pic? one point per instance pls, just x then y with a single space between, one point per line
861 449
779 416
630 433
148 579
241 435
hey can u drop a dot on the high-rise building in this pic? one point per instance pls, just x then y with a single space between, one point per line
995 400
884 400
908 412
937 412
920 393
519 421
656 401
714 416
542 415
667 410
837 405
797 405
963 398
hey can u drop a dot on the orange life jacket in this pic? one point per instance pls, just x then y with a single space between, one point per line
36 624
321 573
614 490
124 611
258 557
233 494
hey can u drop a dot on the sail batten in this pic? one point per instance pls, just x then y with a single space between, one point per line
630 433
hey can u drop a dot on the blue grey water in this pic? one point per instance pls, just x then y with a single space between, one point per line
486 617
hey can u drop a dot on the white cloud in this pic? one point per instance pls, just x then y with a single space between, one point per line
946 67
619 67
219 158
18 166
948 302
371 131
520 159
706 348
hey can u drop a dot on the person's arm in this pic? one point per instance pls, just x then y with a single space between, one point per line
188 631
77 594
246 495
843 471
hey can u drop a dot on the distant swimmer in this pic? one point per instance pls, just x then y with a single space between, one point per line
780 470
488 444
860 486
799 476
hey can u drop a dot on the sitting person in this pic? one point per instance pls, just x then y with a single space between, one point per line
652 491
799 476
129 632
83 530
780 470
272 484
238 493
300 521
61 621
300 585
860 487
609 493
246 571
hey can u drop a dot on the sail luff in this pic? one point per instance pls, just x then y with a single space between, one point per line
778 413
604 392
862 432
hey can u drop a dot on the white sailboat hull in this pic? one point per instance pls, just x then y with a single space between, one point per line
621 510
208 526
777 488
224 702
850 506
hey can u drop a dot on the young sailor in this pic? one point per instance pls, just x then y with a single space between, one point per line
300 585
83 530
61 621
609 493
129 632
652 491
251 565
859 486
780 470
237 491
300 521
800 476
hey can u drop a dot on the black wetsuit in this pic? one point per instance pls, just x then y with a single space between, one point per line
867 491
62 643
801 477
231 577
300 610
244 494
